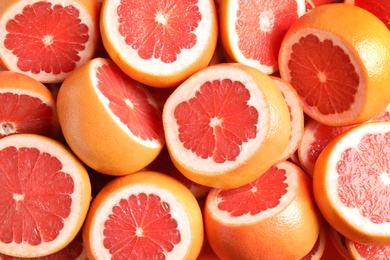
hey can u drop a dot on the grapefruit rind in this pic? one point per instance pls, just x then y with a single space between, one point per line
80 197
347 220
10 60
154 72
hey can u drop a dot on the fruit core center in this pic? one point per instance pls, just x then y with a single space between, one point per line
215 121
161 18
7 128
321 76
18 197
139 232
47 40
129 103
385 178
267 20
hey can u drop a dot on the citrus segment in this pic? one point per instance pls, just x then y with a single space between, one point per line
225 125
144 215
45 195
335 56
272 217
109 120
47 40
252 31
351 180
27 106
159 43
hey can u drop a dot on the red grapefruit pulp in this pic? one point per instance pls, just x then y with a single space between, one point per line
45 195
47 39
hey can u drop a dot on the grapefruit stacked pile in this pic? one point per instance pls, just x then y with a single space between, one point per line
194 129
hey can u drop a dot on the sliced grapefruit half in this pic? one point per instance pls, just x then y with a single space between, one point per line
47 40
272 217
336 57
110 121
45 195
226 125
252 31
27 106
351 182
145 215
159 43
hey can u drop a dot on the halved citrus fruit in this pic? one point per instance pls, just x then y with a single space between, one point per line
367 252
110 121
379 8
351 181
272 217
45 195
226 125
252 31
159 43
27 106
47 40
296 116
145 215
336 56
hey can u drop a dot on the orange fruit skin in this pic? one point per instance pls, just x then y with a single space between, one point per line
369 40
162 80
92 8
92 133
267 154
328 209
156 179
290 234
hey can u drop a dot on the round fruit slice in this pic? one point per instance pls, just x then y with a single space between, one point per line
45 195
273 217
47 40
336 56
252 31
27 106
296 116
367 252
379 8
159 43
351 181
145 215
226 125
110 121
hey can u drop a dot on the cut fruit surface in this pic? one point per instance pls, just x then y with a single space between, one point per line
144 215
367 252
272 217
335 57
27 106
159 43
109 120
226 125
45 195
252 31
350 181
47 40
